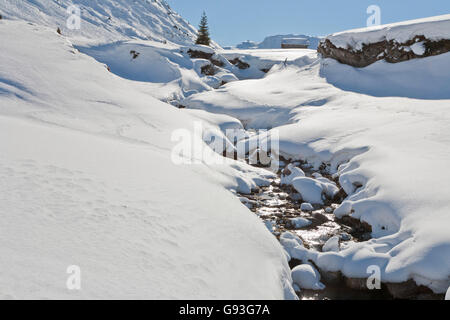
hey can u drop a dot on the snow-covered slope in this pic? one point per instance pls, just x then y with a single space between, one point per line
106 20
396 148
86 179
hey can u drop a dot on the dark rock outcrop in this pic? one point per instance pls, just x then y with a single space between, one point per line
209 70
197 54
390 51
240 64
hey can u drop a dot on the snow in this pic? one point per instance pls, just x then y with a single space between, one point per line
418 48
307 277
309 189
384 131
332 244
433 28
305 206
286 179
110 20
300 222
88 180
290 240
383 79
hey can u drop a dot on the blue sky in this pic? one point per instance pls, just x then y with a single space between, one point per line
234 21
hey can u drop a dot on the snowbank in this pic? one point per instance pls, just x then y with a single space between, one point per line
393 42
433 28
87 180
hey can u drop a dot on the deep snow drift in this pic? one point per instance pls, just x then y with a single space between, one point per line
87 180
390 153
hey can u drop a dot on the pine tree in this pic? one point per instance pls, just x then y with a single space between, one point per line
203 31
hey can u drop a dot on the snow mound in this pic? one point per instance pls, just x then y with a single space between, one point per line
307 277
309 189
332 244
89 180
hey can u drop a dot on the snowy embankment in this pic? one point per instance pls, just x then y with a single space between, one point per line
390 154
393 43
87 180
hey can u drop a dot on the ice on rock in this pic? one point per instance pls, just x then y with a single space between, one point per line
307 277
331 245
305 206
310 189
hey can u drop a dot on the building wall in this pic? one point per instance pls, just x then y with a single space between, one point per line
294 46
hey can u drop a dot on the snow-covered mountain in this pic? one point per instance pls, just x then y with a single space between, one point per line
106 20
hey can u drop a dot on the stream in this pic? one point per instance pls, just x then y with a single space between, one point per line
277 205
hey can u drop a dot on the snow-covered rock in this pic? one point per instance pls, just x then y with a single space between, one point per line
332 244
290 240
393 43
289 173
310 189
300 222
307 277
306 206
